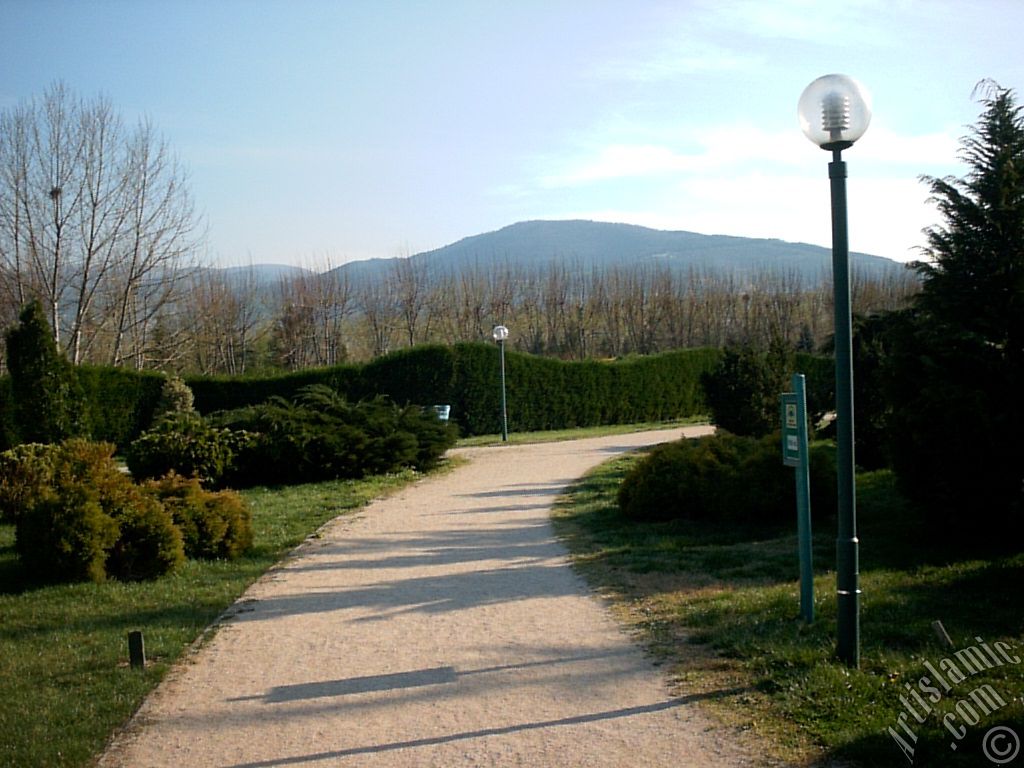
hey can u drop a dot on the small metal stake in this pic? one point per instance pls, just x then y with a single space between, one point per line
136 650
943 635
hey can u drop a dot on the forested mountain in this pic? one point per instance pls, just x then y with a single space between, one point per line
591 244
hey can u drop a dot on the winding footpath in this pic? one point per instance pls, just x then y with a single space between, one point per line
442 626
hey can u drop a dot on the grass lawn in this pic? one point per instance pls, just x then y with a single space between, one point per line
65 683
720 607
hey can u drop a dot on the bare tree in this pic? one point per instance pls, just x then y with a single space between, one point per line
376 299
158 239
91 216
312 309
224 320
410 287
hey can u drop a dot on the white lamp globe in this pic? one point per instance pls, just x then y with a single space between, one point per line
834 111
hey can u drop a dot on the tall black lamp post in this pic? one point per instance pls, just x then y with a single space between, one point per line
834 112
500 333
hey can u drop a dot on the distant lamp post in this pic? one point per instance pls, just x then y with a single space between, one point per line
500 333
834 112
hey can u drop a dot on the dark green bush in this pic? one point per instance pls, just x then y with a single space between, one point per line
212 524
26 474
423 375
433 436
543 393
320 435
226 393
185 443
47 398
723 477
8 429
743 390
289 444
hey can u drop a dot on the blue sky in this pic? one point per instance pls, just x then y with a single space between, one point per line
318 131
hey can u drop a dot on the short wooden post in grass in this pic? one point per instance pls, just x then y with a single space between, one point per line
136 650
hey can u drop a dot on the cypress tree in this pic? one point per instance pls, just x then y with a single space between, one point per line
48 404
957 370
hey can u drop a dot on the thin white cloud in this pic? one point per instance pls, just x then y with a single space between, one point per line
707 151
806 20
674 58
881 145
621 161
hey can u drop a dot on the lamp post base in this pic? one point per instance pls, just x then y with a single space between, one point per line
848 601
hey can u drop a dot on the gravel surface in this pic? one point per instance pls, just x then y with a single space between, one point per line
442 626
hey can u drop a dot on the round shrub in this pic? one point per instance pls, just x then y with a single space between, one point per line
92 521
184 443
149 544
232 511
26 473
723 477
66 536
285 444
212 525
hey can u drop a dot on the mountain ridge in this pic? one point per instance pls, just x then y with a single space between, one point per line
595 245
604 245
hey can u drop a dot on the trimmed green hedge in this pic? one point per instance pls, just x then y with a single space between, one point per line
225 393
120 401
543 393
422 375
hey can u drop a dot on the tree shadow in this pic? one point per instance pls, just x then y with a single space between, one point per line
590 717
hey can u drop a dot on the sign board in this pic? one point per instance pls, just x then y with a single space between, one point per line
794 454
790 430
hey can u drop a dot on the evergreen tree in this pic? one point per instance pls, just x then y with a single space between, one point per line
956 372
974 279
743 391
48 405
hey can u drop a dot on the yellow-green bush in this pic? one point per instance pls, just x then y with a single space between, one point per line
65 536
26 471
212 524
87 520
149 544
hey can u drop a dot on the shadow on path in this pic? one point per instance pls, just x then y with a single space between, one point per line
612 714
400 680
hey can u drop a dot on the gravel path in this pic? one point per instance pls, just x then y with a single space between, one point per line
441 627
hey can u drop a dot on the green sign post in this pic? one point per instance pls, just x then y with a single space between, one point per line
794 454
